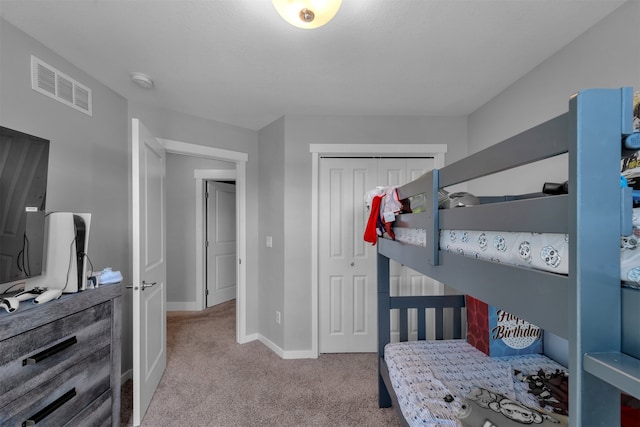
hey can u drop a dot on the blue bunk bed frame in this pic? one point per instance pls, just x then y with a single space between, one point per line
588 307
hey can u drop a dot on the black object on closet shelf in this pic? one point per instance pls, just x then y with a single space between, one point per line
555 188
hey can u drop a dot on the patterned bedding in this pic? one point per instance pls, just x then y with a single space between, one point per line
431 378
544 251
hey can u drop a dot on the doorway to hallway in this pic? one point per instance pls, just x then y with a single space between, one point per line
239 175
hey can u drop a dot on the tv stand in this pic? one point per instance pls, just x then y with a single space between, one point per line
60 362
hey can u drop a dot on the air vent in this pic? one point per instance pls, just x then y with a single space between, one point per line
51 82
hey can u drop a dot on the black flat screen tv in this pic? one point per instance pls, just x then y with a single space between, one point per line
24 161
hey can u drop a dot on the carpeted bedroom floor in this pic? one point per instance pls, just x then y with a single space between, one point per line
213 381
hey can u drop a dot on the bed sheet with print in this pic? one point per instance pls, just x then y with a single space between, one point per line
543 251
433 378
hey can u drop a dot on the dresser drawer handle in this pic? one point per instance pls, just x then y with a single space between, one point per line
44 412
50 351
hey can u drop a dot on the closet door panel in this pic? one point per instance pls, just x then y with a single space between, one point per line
347 315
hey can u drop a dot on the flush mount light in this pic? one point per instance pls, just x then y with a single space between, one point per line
307 14
142 80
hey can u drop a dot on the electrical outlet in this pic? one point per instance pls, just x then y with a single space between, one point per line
269 241
278 317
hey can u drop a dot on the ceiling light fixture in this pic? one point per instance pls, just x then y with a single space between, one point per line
307 14
142 80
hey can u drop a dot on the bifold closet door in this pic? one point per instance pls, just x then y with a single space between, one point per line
347 264
347 280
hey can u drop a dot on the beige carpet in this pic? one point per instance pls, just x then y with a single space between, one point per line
213 381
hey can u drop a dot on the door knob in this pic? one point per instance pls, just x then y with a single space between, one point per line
146 285
352 264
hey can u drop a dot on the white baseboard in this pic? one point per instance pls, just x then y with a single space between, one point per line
183 306
300 354
250 337
266 341
284 354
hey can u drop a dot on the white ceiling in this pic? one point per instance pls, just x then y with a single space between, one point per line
238 62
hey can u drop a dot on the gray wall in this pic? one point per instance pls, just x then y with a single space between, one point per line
607 55
89 155
272 223
89 165
181 231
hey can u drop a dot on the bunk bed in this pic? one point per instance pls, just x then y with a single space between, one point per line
587 307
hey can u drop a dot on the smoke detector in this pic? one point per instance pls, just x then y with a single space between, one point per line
142 80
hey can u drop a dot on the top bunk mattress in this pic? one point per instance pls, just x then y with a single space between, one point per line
432 378
543 251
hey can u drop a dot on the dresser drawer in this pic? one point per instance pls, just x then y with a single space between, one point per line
29 359
97 414
57 401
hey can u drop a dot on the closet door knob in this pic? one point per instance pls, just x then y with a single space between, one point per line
353 264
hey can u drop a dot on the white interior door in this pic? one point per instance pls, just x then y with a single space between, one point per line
347 265
347 282
221 242
149 267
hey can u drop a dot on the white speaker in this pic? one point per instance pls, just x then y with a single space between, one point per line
66 244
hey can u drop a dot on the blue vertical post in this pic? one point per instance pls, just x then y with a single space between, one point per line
384 328
433 228
595 129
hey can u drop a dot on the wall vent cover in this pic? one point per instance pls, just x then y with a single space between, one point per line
51 82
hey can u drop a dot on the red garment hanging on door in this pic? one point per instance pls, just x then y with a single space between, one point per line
371 232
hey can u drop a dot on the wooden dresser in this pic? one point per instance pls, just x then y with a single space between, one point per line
60 361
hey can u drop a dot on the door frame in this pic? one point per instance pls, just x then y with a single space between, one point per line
437 151
240 160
